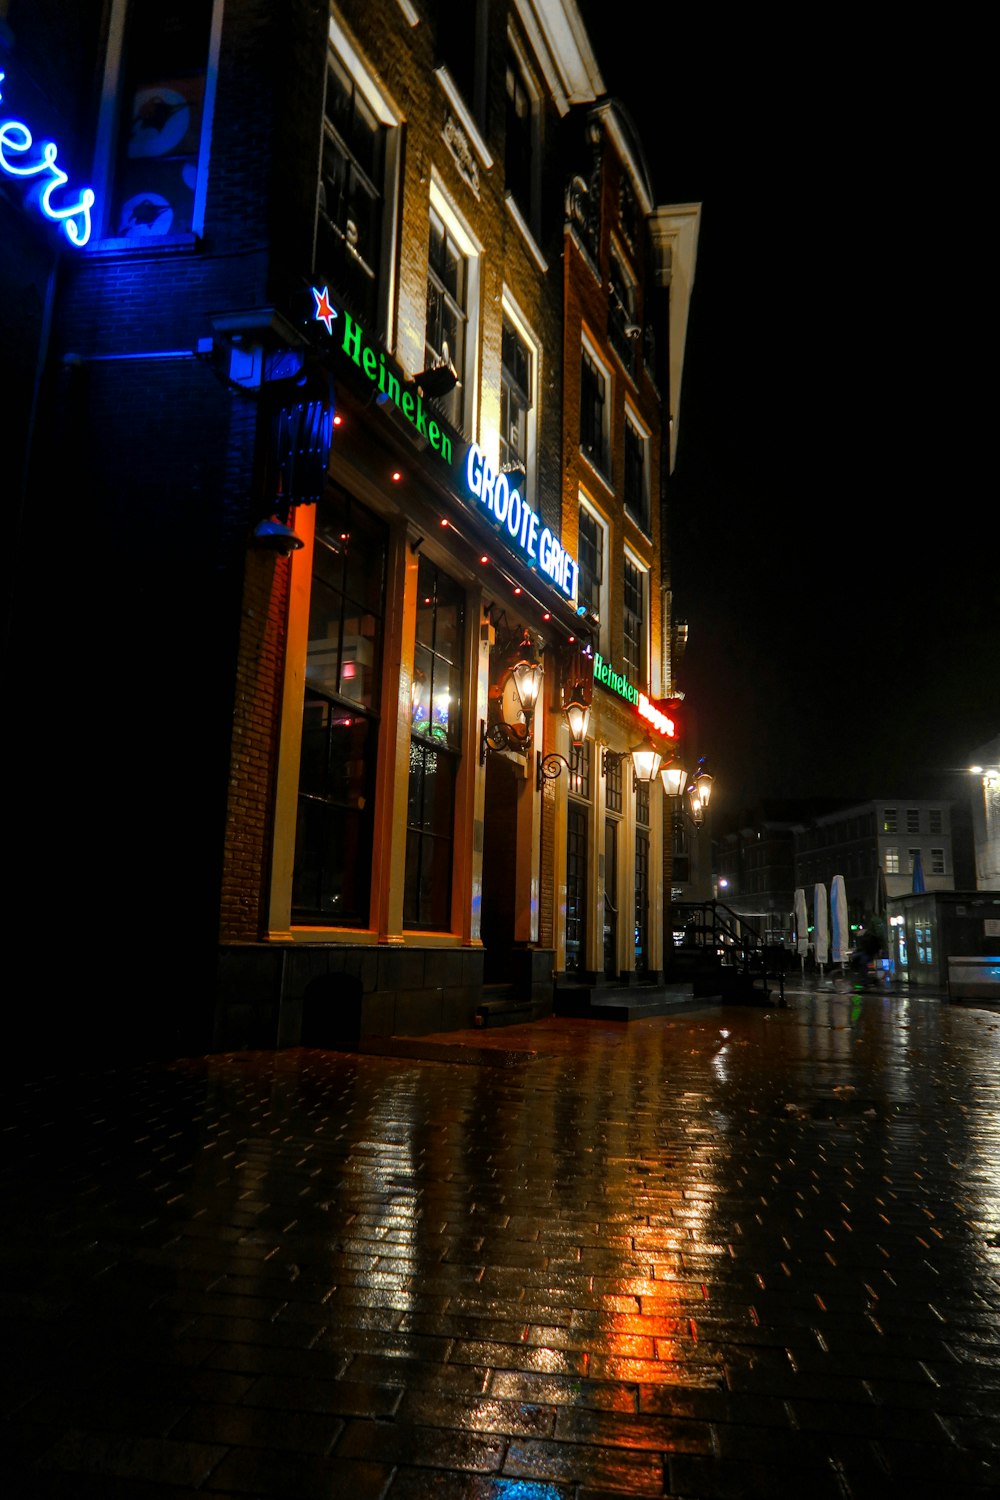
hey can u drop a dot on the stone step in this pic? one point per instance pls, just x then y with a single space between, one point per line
627 1002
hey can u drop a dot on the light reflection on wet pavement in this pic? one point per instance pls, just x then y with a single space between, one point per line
735 1252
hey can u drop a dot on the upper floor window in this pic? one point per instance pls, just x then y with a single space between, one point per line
936 821
521 138
937 861
447 293
892 861
592 553
623 327
912 820
890 820
636 472
594 415
162 131
635 620
517 416
461 36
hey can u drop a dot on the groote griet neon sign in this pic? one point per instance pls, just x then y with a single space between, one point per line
515 516
16 144
509 512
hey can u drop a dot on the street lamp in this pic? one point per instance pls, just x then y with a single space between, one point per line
674 778
645 761
700 792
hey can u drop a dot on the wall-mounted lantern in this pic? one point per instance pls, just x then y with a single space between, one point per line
646 761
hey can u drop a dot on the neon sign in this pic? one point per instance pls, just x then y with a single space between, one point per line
515 516
511 515
617 682
15 143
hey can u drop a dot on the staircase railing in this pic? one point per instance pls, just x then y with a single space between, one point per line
728 940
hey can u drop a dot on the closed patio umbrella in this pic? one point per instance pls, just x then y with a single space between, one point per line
918 872
821 926
839 925
801 927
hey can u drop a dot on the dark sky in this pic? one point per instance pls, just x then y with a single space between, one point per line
835 524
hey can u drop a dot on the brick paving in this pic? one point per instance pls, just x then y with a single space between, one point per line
737 1252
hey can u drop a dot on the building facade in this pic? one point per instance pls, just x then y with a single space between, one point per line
294 447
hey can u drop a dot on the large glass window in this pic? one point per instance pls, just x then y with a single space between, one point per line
163 91
519 139
593 411
634 621
515 403
591 552
623 329
435 738
447 311
352 183
636 473
335 829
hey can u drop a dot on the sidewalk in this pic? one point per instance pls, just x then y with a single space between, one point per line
740 1252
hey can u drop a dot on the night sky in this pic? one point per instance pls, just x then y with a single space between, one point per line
834 517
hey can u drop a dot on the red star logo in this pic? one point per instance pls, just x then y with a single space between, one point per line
324 312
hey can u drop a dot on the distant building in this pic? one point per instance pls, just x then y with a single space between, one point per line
784 846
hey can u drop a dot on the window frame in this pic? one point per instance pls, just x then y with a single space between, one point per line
512 314
601 464
472 251
586 505
633 423
529 212
631 559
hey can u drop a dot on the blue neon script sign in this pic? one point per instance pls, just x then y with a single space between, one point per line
16 143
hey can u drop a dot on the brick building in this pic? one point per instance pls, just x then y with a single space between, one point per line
298 520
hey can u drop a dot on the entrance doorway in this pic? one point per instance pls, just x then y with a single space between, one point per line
499 870
611 898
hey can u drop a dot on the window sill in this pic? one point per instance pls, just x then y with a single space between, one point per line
450 90
526 233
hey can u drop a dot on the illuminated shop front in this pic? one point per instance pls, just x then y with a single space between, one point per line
431 631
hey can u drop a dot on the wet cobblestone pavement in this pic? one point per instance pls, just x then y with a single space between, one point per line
737 1252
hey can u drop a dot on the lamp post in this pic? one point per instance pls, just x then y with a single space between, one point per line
646 761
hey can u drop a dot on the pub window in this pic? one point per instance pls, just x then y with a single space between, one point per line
576 884
452 301
521 138
356 189
160 156
517 414
636 490
623 326
331 882
634 620
435 739
461 30
613 785
592 553
594 382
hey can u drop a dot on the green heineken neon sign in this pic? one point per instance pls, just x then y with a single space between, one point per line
617 682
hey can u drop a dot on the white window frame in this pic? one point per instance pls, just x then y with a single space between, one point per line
604 599
512 312
643 569
472 249
588 347
644 435
382 109
528 216
937 863
891 857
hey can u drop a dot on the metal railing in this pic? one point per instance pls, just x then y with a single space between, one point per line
721 937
